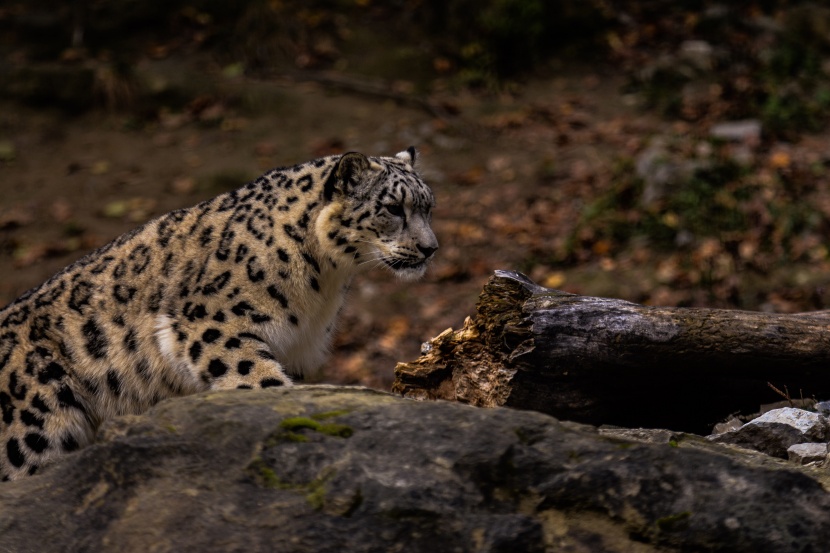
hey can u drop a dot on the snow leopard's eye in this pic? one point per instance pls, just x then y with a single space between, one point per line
394 209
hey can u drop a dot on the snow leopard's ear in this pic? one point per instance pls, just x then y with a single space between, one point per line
408 155
351 172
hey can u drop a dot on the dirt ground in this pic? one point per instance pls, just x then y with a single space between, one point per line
512 173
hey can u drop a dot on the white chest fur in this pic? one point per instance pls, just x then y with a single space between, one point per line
303 348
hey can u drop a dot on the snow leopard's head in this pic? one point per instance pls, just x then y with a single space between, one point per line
378 213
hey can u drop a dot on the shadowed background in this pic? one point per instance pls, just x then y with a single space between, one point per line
670 153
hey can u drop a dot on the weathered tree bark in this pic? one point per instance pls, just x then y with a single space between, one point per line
606 361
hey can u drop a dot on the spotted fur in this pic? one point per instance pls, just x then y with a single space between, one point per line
240 291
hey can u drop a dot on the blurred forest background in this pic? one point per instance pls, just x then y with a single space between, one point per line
670 152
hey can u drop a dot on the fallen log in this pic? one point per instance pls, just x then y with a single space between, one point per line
608 361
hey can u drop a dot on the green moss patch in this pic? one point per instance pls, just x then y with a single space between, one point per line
295 424
265 476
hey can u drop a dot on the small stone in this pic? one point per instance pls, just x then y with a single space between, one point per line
807 453
662 172
732 424
697 52
732 523
823 407
747 131
741 153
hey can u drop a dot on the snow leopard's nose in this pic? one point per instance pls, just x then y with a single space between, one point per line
427 250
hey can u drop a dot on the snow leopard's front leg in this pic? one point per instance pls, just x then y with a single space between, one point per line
233 354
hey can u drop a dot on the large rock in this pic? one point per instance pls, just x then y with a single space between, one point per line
324 469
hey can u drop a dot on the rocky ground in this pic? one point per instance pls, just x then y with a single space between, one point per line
346 469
